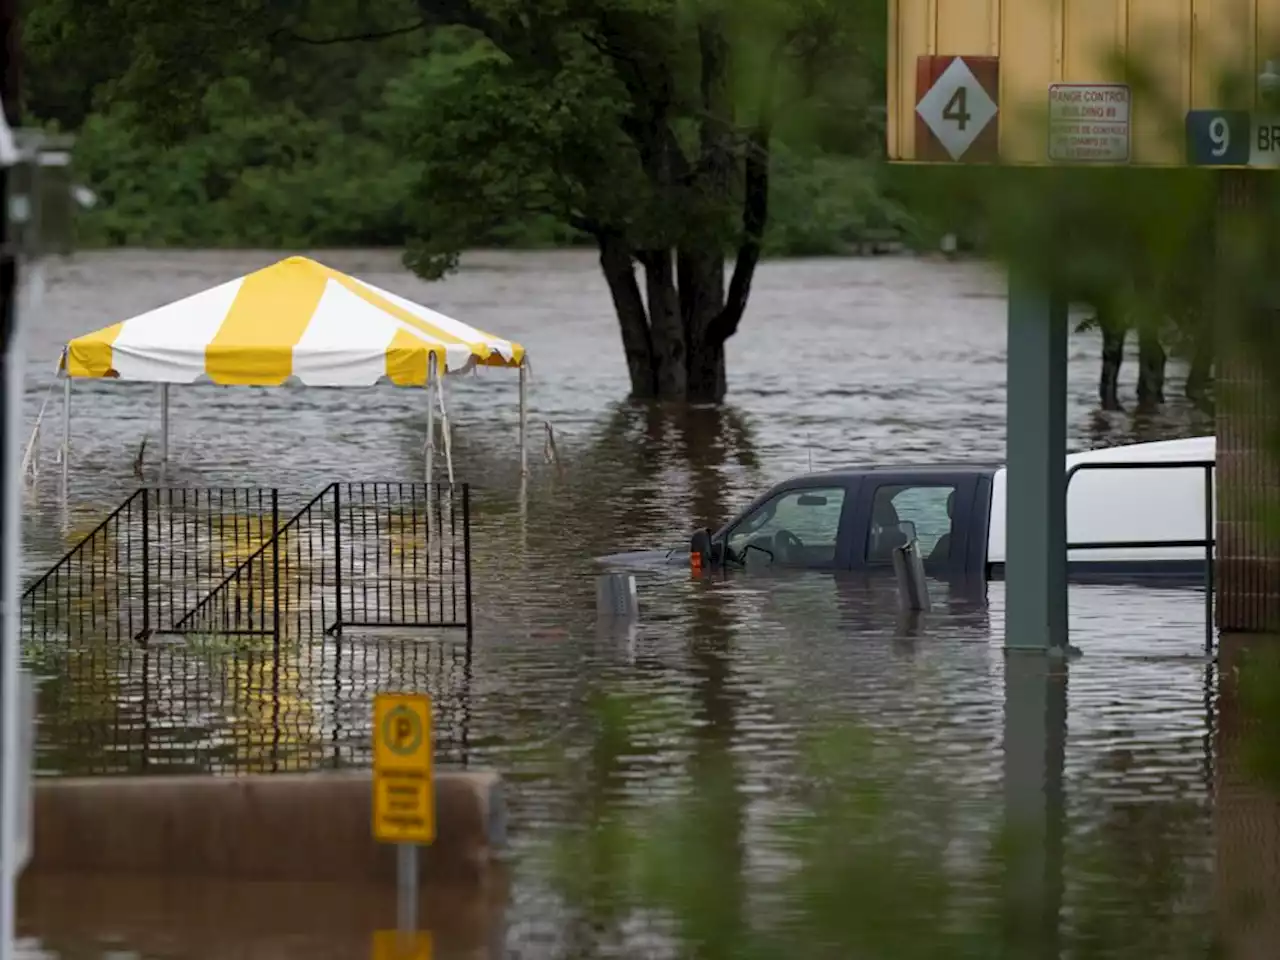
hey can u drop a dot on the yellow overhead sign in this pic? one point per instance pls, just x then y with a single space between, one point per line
1042 77
404 799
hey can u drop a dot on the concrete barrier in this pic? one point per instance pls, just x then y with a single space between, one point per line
270 827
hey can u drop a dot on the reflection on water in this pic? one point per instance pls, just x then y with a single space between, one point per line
729 674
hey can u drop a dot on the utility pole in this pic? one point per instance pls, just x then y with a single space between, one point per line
12 363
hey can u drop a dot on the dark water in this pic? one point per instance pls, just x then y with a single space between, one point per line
838 361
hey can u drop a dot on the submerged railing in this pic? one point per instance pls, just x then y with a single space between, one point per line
194 708
356 555
220 561
152 557
1205 543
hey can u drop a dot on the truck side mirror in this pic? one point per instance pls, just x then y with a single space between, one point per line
700 550
717 553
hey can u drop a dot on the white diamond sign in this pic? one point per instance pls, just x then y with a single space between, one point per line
957 108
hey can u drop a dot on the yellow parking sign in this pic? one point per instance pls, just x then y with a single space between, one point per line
395 945
404 807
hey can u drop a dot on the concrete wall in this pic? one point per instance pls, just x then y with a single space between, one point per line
274 827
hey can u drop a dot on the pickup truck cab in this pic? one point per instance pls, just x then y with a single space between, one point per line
1135 511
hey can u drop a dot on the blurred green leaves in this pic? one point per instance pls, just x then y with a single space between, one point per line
867 850
244 125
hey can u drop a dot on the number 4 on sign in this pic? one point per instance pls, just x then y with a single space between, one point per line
956 110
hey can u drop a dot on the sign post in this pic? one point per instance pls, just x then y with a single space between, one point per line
404 808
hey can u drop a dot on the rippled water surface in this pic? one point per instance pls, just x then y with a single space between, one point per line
838 361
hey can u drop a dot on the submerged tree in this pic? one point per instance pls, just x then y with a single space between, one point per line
646 125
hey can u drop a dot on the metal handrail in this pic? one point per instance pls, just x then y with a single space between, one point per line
1207 543
270 544
84 542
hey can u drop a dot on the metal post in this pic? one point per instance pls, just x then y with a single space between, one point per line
1035 730
444 427
337 550
164 425
10 561
431 426
12 368
466 554
275 575
1036 517
1208 560
146 563
524 420
406 888
66 432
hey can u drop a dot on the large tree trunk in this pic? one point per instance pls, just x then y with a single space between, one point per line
1151 363
1113 337
669 348
674 339
702 299
1200 372
616 260
1112 360
672 346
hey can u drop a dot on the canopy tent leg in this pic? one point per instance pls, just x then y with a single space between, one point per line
431 427
65 452
164 425
524 420
444 429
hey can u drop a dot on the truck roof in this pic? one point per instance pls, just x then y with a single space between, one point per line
926 469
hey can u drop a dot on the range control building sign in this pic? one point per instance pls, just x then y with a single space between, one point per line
1057 96
1089 123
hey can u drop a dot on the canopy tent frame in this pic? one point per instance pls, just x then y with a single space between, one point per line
294 321
433 375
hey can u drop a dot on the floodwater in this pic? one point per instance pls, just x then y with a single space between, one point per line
838 361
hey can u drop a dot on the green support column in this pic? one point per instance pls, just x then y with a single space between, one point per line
1035 734
1036 508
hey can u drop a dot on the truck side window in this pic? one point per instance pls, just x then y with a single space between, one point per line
899 511
795 528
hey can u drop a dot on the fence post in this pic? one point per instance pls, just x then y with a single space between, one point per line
146 563
466 553
275 574
1209 538
337 550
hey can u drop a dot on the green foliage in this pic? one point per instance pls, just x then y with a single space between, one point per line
249 178
226 124
824 204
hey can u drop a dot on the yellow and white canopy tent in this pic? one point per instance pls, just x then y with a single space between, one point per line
296 321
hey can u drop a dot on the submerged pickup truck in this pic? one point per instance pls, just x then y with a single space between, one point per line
1135 511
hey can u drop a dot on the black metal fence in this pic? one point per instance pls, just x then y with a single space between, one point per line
221 561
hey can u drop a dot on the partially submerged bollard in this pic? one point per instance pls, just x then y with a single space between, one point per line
908 569
616 596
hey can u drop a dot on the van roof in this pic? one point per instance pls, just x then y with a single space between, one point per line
1191 448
